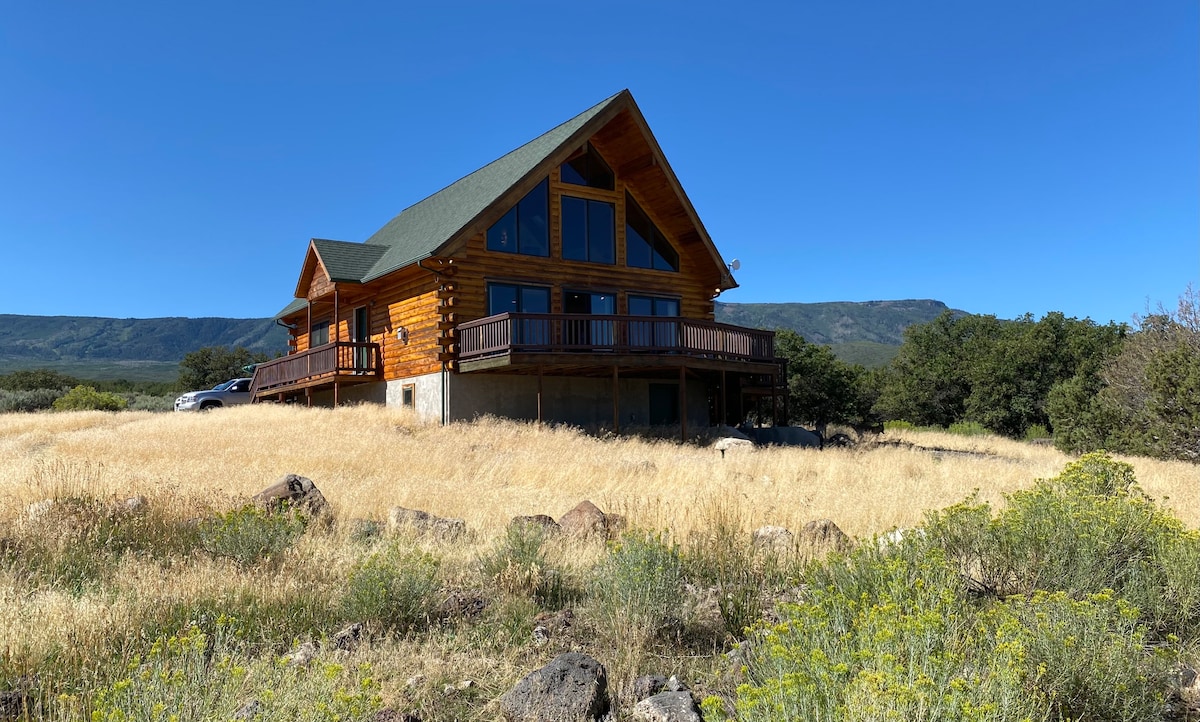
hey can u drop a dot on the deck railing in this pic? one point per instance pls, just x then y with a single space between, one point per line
339 357
576 333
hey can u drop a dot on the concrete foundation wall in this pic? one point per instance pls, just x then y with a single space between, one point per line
427 395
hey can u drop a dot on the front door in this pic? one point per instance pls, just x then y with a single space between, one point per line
362 334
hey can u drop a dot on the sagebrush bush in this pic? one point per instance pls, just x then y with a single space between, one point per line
196 677
251 534
87 398
1048 611
28 400
518 565
638 587
967 428
392 589
1086 530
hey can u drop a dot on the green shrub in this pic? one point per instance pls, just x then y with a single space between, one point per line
1046 612
393 589
1082 660
518 565
251 534
28 400
1037 432
145 402
197 677
638 587
87 398
1086 530
898 425
967 428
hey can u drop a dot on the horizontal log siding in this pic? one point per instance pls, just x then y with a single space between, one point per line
405 299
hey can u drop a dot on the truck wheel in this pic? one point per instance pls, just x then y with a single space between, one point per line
209 405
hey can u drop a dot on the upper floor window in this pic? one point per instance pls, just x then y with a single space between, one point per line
526 227
587 168
653 306
645 245
588 230
515 298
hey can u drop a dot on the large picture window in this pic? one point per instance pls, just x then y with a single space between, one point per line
645 245
526 227
588 230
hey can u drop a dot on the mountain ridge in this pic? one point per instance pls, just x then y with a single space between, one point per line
97 347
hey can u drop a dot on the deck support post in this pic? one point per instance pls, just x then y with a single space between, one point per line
723 417
616 402
683 403
774 402
539 396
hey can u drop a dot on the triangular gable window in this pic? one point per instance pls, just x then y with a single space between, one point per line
645 245
526 227
587 168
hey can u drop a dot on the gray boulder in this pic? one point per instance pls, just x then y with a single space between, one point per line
573 687
773 538
586 519
667 707
820 537
294 492
424 523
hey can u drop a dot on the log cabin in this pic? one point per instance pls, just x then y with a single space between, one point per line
570 280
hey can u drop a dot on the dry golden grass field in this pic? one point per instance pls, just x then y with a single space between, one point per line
366 459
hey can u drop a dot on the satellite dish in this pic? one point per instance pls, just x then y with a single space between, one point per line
736 264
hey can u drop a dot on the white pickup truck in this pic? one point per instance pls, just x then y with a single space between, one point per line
229 393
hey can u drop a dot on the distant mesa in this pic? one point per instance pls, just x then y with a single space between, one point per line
150 349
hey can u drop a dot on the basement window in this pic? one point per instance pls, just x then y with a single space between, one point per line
408 396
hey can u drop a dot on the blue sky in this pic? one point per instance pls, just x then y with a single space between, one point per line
166 159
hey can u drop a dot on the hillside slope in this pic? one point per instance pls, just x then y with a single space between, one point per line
151 348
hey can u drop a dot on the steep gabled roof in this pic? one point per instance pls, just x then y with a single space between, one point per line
421 229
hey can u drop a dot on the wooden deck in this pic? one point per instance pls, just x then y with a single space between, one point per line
337 363
512 339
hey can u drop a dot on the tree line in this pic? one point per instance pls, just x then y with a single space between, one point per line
1125 389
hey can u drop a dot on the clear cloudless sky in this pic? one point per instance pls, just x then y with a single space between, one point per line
174 159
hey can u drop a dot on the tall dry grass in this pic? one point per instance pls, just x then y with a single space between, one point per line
366 459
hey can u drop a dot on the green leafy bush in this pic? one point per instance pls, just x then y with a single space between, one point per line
1037 432
86 398
393 589
967 428
251 534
